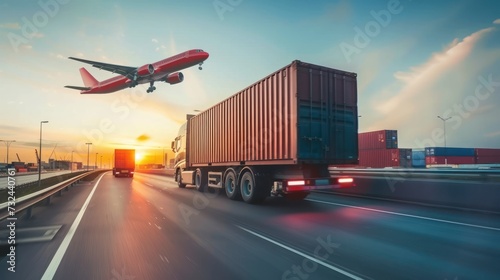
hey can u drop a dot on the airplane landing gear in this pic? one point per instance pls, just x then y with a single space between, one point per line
151 87
200 65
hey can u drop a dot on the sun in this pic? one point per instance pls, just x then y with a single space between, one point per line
139 157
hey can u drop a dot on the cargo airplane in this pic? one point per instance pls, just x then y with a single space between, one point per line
166 70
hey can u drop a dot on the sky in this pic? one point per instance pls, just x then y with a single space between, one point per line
415 60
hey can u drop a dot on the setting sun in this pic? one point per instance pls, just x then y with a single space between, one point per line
139 157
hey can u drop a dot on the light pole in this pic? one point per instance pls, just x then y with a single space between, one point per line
40 157
444 127
71 163
88 149
95 165
101 162
7 143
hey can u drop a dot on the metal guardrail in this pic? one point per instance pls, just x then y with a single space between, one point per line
480 174
27 202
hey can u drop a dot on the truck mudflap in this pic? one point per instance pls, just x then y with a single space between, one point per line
307 185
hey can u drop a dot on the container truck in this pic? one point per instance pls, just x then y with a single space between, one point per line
275 137
124 163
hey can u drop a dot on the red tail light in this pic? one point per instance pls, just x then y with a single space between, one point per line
296 183
346 180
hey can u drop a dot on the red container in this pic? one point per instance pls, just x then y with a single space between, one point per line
482 152
449 160
300 113
380 139
379 158
487 159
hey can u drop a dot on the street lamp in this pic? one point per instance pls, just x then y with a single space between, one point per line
95 165
71 164
88 149
7 143
444 127
40 157
101 162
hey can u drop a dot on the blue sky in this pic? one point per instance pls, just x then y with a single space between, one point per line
415 60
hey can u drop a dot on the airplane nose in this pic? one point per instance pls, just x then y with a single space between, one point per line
205 55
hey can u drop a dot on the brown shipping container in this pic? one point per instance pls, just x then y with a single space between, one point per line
380 139
302 113
429 160
483 152
379 158
487 159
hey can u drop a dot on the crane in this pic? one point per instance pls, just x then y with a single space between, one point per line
18 159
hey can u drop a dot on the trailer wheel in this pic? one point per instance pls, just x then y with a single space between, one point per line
231 185
200 180
253 190
178 179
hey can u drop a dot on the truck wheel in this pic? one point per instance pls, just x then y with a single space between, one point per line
252 191
200 180
178 179
231 185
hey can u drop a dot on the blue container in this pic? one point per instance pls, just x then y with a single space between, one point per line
449 151
418 155
418 163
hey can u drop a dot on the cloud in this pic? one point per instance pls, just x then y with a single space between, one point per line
496 21
10 25
143 138
154 40
420 77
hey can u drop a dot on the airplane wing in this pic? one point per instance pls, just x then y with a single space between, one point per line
120 69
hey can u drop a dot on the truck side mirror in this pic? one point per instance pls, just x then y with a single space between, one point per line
172 146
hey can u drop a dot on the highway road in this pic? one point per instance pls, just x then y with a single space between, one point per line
147 228
27 178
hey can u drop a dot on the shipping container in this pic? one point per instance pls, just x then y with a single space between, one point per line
379 158
418 154
124 163
430 160
294 115
380 139
449 151
487 159
293 123
405 158
418 158
484 152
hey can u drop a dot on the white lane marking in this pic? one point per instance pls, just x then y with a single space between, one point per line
327 265
56 260
405 215
158 227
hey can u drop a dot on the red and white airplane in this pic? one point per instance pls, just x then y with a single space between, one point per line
166 70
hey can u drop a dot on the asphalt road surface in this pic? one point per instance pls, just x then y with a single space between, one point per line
147 228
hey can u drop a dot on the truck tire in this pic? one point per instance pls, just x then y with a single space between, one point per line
178 179
253 189
231 185
200 180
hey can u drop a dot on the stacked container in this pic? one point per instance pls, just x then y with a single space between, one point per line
487 156
378 140
379 149
449 155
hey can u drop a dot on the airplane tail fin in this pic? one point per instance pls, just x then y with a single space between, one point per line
88 79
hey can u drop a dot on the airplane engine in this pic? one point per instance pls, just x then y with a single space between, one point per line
174 78
145 70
